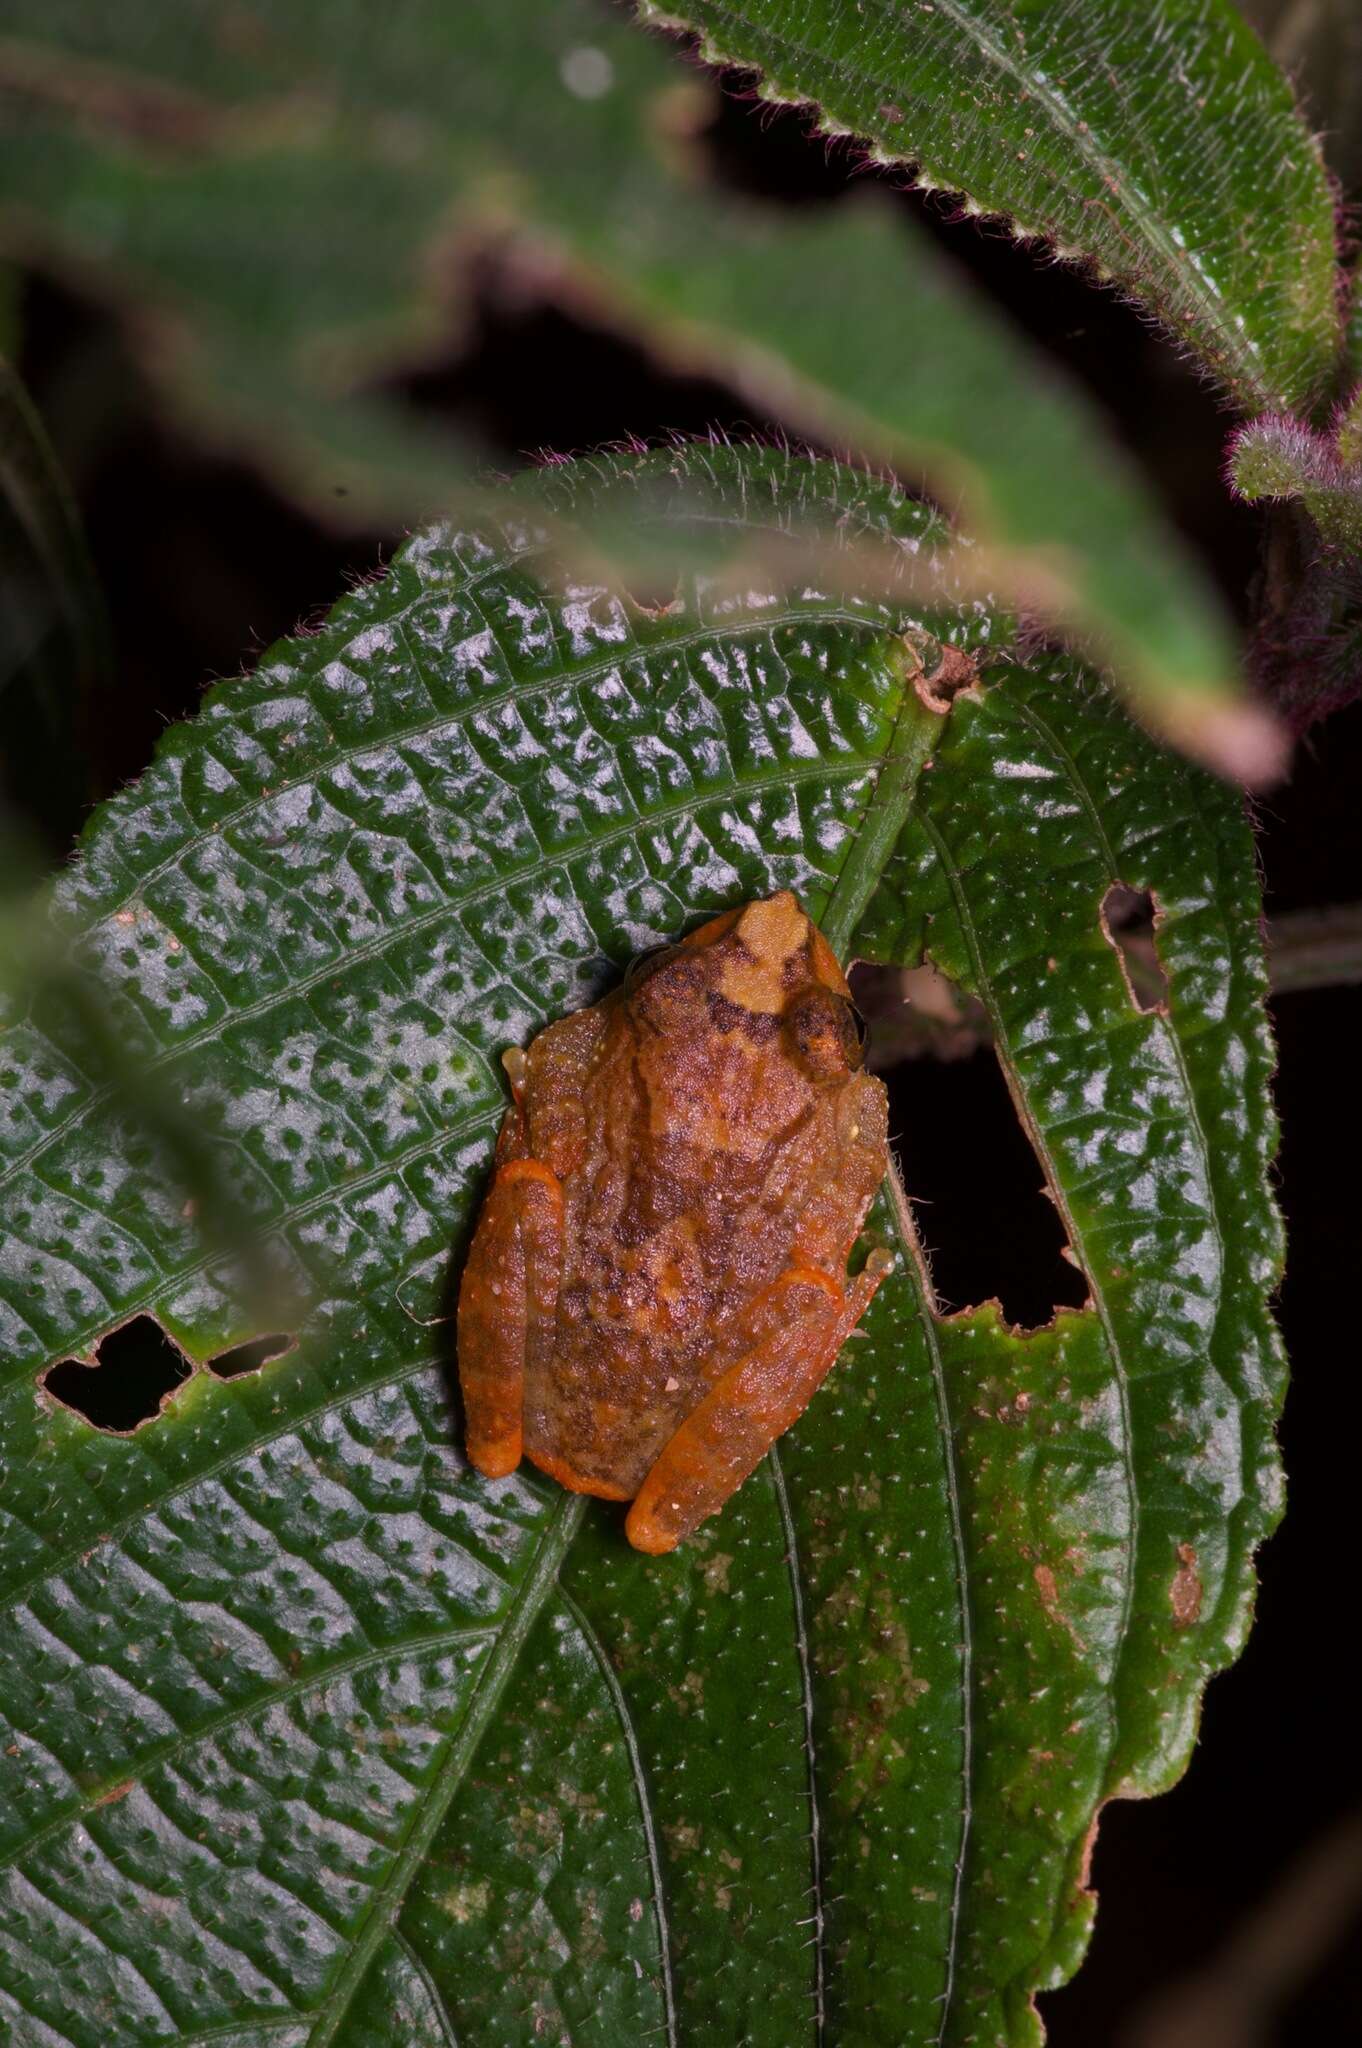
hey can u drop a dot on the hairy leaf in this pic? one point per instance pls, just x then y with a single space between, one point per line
296 209
1158 143
313 1736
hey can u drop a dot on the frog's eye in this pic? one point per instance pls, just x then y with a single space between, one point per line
821 1031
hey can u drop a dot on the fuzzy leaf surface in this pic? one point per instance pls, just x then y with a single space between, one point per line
312 1736
1159 143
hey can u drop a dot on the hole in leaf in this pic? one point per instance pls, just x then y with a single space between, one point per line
1129 917
982 1207
912 1012
250 1356
136 1367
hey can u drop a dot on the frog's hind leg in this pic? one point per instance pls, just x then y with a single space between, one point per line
509 1285
757 1399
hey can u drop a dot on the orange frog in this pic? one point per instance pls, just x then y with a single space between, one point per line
658 1282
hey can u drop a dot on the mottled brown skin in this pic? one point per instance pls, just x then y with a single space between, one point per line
658 1282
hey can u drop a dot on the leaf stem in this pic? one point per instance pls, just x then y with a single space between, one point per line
915 732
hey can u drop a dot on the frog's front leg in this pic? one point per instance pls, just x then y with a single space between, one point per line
757 1399
510 1285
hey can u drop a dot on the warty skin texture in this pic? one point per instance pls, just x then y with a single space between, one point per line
658 1281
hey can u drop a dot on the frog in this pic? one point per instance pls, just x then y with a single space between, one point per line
659 1281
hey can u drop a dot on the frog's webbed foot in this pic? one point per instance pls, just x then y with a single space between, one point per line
728 1435
509 1284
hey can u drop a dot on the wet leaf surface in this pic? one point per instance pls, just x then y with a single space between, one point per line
311 1735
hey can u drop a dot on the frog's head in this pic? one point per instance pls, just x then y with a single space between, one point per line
732 1027
763 951
763 975
770 962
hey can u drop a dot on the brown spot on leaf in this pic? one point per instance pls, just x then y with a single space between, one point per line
1185 1593
1048 1588
867 1654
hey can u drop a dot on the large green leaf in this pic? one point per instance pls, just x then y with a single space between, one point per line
293 207
313 1736
1135 138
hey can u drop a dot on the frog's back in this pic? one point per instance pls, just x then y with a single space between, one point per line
710 1129
696 1165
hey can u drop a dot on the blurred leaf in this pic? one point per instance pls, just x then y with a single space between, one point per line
294 200
1156 142
311 1734
1307 649
1318 43
54 651
1315 948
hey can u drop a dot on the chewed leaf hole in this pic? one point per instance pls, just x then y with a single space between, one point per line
915 1012
250 1356
136 1368
982 1208
1128 921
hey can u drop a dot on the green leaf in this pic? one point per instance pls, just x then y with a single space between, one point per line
313 1736
295 212
1134 139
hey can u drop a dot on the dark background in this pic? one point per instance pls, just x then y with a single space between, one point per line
203 565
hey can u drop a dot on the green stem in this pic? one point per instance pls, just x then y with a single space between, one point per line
915 733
